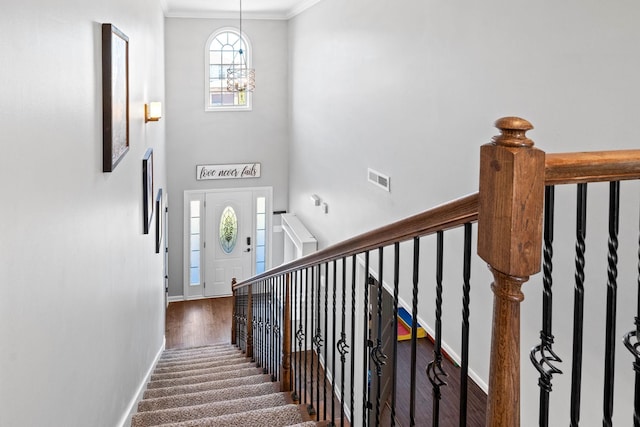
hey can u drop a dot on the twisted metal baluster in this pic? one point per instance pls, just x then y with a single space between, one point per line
634 348
545 362
435 373
333 339
296 334
414 325
578 305
315 340
396 286
353 336
466 291
365 360
612 290
342 346
377 355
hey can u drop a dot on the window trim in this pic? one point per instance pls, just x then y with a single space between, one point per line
207 69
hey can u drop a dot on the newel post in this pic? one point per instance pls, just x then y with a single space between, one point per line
234 314
285 384
510 241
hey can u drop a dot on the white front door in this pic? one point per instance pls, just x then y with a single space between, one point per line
228 242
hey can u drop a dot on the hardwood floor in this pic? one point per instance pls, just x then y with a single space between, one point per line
208 321
198 322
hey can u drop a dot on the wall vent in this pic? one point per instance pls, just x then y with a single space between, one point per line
379 179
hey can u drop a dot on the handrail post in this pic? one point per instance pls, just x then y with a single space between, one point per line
510 241
285 384
234 312
250 322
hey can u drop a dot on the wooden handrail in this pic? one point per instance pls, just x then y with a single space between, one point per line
443 217
596 166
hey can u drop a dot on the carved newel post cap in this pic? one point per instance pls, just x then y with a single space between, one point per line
513 132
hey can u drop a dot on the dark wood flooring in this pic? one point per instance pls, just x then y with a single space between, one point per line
208 321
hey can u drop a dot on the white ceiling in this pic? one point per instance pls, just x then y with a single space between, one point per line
251 9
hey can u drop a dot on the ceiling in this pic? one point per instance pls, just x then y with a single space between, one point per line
251 9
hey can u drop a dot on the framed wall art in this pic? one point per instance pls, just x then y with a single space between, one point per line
147 190
158 220
115 96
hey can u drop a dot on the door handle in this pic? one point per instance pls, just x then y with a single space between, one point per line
248 250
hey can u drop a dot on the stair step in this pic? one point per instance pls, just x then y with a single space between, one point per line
234 391
207 382
208 410
280 416
200 358
220 370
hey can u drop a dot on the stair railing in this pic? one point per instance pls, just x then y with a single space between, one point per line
294 314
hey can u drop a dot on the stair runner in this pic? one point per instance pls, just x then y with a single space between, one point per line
214 386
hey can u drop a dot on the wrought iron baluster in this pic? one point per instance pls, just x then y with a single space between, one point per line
634 348
342 346
318 341
612 290
545 363
267 327
353 337
326 347
396 288
299 335
306 331
333 340
435 372
578 307
377 355
365 356
310 409
466 300
414 325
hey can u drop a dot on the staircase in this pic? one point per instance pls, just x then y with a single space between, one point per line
214 386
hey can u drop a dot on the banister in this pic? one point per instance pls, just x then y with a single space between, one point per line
595 166
443 217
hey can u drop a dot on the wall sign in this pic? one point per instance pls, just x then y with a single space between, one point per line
239 171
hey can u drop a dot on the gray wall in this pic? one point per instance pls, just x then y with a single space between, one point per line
82 306
413 91
198 137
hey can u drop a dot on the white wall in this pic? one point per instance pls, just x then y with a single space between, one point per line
412 92
81 311
197 137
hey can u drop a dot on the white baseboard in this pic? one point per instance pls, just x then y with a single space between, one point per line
176 298
125 421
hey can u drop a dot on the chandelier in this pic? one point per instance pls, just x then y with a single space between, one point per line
241 78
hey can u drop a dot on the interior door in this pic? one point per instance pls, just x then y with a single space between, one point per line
228 241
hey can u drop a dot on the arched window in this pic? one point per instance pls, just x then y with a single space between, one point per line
222 52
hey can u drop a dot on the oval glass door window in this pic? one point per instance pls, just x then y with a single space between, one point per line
228 229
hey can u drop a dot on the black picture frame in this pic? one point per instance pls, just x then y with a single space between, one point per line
158 220
147 190
115 96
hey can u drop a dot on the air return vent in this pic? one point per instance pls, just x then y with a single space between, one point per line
379 179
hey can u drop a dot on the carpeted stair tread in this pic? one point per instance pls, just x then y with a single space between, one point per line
206 378
202 368
208 410
229 379
199 353
201 363
201 358
206 396
215 370
270 417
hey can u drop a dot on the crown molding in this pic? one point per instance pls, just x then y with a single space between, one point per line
269 15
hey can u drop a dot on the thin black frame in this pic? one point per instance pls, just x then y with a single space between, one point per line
115 96
147 189
158 220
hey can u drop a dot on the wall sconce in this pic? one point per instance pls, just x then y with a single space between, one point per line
315 199
152 111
